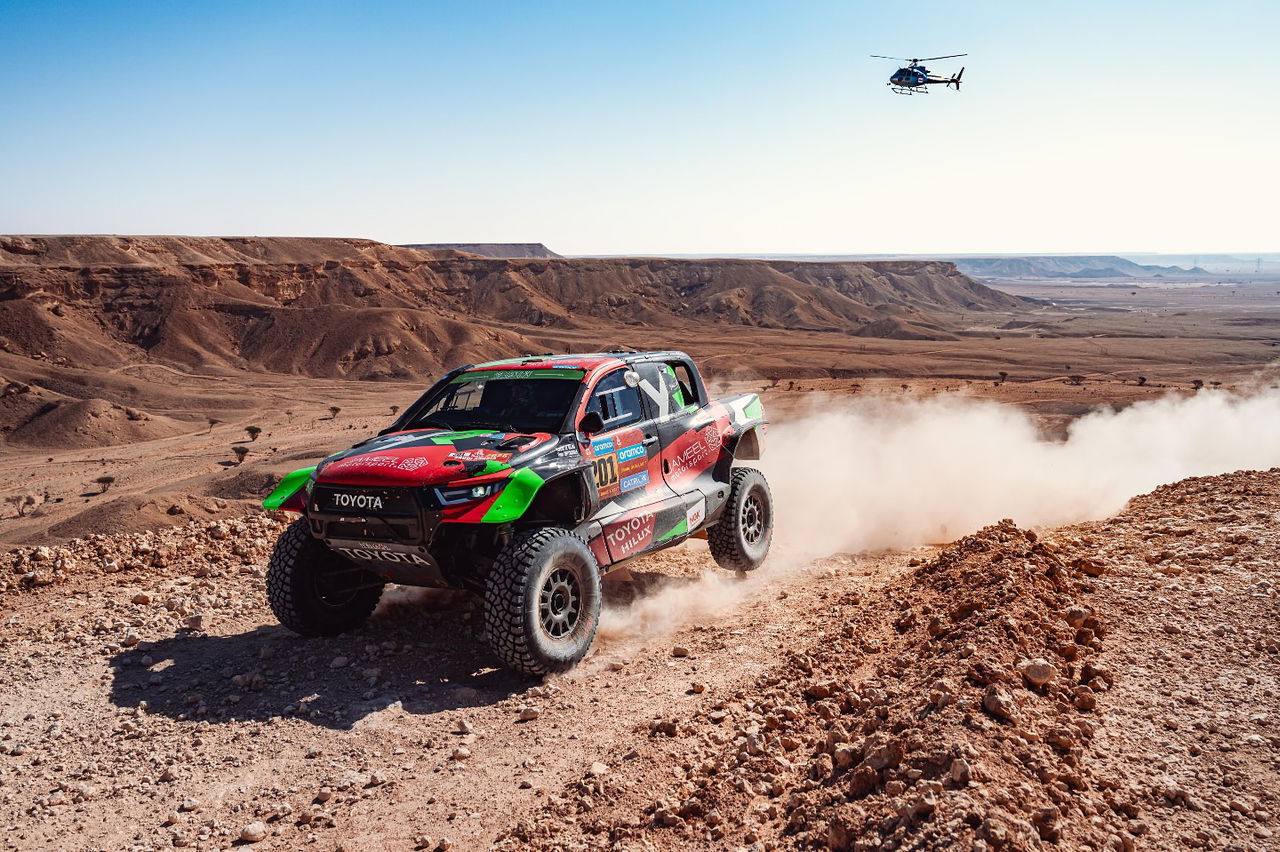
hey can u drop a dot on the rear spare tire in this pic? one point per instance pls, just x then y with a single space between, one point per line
542 601
314 591
740 539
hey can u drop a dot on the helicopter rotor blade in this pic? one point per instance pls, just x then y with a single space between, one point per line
931 58
895 58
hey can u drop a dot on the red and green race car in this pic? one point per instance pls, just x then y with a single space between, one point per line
525 481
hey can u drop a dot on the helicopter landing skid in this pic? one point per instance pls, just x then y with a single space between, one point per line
906 90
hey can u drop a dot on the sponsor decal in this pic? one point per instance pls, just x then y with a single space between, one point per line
479 455
636 480
364 462
692 458
629 536
634 451
371 462
632 467
695 451
370 553
607 476
620 469
343 500
696 514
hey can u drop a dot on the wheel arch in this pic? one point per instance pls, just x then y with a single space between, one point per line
563 500
749 445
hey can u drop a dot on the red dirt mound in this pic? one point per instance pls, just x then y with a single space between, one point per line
950 710
138 513
84 423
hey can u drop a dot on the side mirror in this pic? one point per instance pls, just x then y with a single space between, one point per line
591 423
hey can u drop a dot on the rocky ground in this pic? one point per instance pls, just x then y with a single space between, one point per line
1110 685
1107 686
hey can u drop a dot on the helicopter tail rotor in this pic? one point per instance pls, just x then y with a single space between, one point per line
956 79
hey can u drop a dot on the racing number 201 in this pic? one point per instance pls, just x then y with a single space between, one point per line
606 470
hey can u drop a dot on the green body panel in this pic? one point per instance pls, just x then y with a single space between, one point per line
450 437
288 487
679 529
755 409
513 501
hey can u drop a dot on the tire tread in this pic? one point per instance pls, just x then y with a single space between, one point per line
724 538
505 601
293 553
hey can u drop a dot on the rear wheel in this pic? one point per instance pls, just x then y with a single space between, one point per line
740 539
542 601
314 591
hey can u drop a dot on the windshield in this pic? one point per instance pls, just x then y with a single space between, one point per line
508 400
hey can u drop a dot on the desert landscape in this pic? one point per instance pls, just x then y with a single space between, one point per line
1022 595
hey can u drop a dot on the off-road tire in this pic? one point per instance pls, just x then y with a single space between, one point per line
520 609
295 574
740 539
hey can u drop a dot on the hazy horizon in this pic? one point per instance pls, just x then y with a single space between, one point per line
1244 256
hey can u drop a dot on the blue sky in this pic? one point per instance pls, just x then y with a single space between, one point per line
617 127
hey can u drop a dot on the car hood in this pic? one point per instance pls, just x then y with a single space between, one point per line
430 457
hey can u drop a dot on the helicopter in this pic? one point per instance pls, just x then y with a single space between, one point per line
914 77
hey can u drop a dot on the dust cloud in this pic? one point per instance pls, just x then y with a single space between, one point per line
888 472
896 473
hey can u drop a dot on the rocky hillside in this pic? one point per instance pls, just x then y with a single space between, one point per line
361 309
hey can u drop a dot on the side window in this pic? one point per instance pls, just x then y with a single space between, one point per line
617 404
685 385
670 387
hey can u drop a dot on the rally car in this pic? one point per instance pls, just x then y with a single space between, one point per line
525 481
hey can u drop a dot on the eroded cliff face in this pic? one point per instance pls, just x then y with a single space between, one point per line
362 309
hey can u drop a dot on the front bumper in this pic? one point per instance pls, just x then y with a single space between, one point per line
388 530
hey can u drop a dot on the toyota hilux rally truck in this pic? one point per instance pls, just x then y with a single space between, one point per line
524 481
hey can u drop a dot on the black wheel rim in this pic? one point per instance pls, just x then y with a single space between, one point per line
753 519
560 602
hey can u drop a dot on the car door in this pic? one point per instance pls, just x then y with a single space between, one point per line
691 442
628 479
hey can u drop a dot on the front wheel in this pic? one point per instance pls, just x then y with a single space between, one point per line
740 539
542 601
314 591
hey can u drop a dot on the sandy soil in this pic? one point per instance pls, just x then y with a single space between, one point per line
153 702
1111 685
112 693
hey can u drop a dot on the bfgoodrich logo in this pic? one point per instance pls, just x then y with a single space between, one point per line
357 501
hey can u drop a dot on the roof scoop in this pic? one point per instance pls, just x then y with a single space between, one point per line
515 442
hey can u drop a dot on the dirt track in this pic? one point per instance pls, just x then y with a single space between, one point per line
106 739
159 705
